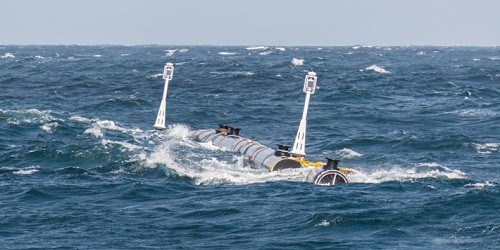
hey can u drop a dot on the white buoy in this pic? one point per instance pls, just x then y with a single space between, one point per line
300 140
168 73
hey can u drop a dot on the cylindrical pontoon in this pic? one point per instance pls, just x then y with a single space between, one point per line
262 156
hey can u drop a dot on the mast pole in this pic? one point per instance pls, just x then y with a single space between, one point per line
168 73
300 140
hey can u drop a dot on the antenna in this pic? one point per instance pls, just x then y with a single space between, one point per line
300 139
168 73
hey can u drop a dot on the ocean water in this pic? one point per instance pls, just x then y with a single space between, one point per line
81 166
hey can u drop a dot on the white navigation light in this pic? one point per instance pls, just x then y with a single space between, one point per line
310 82
299 146
168 71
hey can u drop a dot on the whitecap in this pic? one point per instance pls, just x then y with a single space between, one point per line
224 53
420 53
183 50
346 153
178 131
419 171
265 53
107 124
95 131
480 185
323 223
377 69
49 127
170 52
79 118
124 145
257 48
97 56
210 146
209 170
30 116
474 113
97 127
156 75
486 148
13 121
233 73
297 62
7 55
237 172
452 84
27 170
281 49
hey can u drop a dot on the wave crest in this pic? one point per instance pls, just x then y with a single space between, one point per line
377 69
7 55
346 153
297 62
419 171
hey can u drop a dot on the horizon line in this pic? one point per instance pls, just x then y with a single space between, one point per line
240 45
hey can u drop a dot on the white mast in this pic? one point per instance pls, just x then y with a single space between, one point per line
168 73
300 139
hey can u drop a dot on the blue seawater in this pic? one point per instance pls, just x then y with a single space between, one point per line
81 166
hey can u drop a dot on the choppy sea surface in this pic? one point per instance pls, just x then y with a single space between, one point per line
81 166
